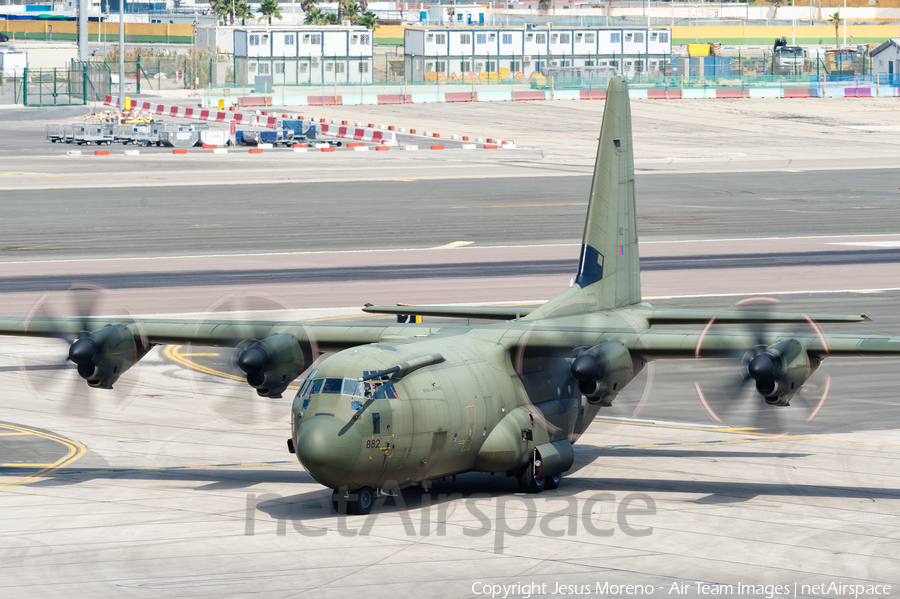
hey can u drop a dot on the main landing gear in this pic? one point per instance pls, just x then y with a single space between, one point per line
529 484
359 502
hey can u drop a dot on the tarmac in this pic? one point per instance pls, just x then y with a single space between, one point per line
175 487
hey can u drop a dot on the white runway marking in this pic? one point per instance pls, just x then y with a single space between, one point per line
873 244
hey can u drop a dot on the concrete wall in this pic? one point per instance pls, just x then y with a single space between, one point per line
765 35
46 56
135 33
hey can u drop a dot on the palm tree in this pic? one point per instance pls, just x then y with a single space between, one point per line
314 16
348 10
367 20
307 5
544 5
330 19
777 4
269 9
222 8
835 20
243 11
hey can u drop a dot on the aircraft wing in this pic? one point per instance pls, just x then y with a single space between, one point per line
676 316
331 336
674 344
502 312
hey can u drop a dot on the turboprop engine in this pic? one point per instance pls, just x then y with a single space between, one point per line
103 355
780 369
272 363
603 370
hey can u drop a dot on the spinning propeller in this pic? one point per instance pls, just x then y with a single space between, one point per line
95 354
222 374
770 376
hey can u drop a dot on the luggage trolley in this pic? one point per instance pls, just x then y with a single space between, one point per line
93 131
146 134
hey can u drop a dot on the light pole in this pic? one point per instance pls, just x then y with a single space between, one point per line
121 55
845 22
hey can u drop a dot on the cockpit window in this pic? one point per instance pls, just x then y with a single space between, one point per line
332 385
353 387
382 390
316 386
304 389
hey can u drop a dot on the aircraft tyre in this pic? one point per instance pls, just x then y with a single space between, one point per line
552 482
529 484
365 500
360 502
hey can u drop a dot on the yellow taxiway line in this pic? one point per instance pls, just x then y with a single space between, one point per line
75 451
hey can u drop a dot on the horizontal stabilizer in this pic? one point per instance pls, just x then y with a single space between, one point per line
507 312
744 316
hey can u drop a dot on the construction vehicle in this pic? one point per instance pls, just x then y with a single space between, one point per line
787 60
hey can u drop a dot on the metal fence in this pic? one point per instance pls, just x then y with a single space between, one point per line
154 73
77 84
444 70
10 87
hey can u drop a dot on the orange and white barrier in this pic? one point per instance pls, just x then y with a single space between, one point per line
217 116
359 133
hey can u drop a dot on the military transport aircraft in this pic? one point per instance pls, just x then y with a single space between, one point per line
394 405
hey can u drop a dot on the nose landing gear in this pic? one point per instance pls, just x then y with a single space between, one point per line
359 502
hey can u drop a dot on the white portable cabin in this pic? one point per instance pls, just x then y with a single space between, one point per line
296 55
886 62
451 50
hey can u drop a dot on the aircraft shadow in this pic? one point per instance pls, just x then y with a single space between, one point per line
216 479
315 505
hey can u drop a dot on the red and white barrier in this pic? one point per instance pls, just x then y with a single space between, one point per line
198 113
359 133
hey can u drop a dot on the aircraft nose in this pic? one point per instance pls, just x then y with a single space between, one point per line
329 449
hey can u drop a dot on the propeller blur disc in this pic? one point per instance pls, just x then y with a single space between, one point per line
216 372
50 371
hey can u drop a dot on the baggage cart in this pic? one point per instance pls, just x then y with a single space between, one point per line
93 131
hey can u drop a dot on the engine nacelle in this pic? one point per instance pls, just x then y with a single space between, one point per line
781 370
603 370
273 363
103 355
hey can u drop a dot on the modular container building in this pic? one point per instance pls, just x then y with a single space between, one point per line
298 55
448 52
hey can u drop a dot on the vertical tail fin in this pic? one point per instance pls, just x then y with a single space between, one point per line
608 268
